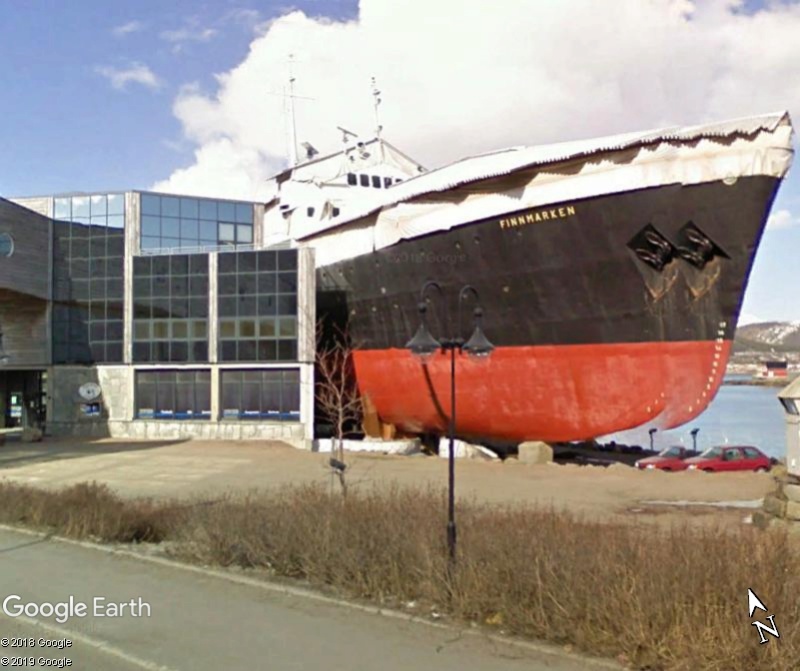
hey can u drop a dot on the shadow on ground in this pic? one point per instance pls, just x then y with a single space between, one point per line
15 453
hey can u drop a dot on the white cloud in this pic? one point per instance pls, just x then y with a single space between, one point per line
127 28
459 78
782 219
188 34
135 73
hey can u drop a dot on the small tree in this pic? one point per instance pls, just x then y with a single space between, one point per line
338 399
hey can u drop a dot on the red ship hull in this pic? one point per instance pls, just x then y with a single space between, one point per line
549 392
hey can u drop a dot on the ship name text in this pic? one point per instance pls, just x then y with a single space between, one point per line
537 217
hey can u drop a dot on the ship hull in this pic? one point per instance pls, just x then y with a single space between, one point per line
600 324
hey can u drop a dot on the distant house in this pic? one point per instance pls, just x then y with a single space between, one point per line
774 369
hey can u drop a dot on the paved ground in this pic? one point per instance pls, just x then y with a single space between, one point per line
203 622
202 468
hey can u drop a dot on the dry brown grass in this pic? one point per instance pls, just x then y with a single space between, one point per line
87 510
653 598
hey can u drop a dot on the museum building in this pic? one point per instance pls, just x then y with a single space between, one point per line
146 315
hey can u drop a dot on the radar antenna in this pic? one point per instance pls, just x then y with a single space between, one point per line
347 134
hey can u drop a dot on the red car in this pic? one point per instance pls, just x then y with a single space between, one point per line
727 458
669 459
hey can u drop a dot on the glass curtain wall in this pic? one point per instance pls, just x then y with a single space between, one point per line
88 278
170 308
173 222
257 303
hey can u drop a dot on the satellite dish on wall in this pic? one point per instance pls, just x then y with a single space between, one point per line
90 391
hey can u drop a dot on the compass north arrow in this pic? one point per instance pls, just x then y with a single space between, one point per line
754 602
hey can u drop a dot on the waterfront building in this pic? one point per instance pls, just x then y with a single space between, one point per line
142 315
773 369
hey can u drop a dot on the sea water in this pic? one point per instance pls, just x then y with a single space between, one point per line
740 414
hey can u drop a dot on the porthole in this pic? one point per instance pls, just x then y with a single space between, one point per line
6 245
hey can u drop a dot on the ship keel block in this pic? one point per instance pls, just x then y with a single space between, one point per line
551 393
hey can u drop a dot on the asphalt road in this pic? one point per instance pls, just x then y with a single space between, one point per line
203 622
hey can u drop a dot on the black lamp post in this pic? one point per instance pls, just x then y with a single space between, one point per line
652 433
694 433
424 345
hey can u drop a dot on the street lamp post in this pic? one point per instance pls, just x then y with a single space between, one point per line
425 345
694 433
652 433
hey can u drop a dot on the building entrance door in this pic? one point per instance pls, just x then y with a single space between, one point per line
23 398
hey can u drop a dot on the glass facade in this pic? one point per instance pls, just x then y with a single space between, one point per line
261 394
167 394
170 222
88 278
170 308
257 306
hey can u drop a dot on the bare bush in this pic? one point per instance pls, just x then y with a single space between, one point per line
656 599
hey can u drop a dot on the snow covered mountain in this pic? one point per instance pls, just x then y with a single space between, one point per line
766 336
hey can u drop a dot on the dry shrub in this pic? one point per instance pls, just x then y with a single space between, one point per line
671 600
86 511
658 599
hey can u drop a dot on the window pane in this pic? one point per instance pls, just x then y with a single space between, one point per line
208 210
244 234
266 327
151 243
189 208
170 206
151 226
227 212
189 230
227 233
145 397
227 328
116 221
170 228
141 330
244 213
247 328
180 329
151 205
208 231
116 203
251 399
199 329
288 327
161 330
62 209
99 205
80 207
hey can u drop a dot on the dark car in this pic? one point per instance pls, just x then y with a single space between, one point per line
730 458
669 459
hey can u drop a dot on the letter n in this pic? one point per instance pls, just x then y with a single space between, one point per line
760 625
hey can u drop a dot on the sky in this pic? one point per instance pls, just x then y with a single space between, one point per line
189 96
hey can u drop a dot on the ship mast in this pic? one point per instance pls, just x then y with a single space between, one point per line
292 124
376 96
